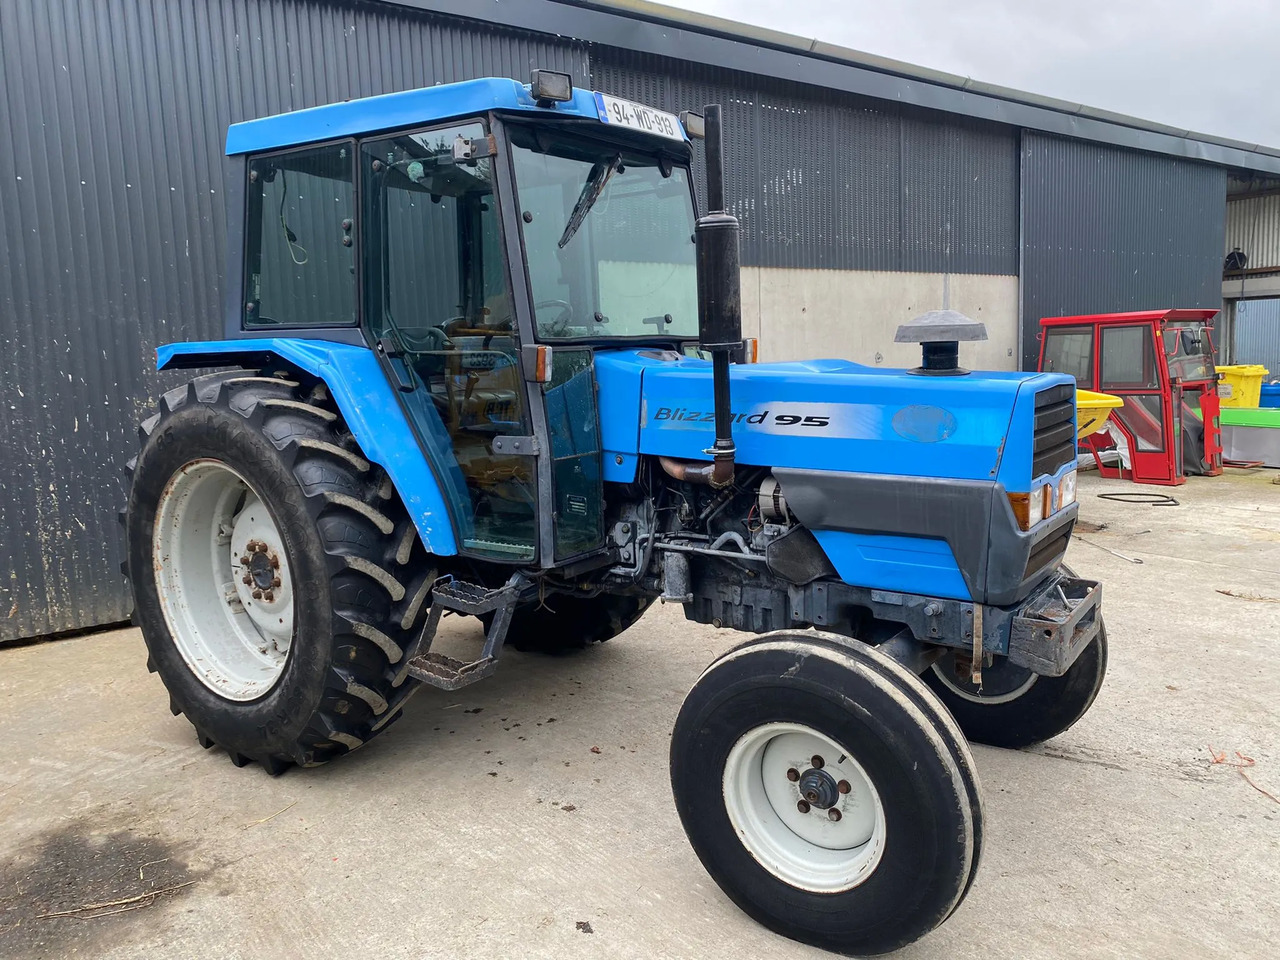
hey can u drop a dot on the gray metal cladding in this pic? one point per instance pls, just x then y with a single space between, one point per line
1253 225
112 230
830 180
1106 229
1257 334
113 221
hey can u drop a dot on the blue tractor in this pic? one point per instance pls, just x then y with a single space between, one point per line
482 356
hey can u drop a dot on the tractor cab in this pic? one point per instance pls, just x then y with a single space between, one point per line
1160 363
485 257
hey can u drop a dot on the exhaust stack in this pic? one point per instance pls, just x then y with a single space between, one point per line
719 302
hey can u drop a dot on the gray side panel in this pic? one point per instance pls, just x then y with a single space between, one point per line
1107 230
112 239
822 179
999 562
958 511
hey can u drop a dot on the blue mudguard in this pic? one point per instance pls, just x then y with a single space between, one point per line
368 404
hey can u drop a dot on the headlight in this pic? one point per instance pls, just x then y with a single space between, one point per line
1067 490
1030 508
1036 505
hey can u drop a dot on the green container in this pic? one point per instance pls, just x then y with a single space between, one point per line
1251 435
1250 417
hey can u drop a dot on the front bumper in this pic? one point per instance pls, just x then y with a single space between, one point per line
1054 624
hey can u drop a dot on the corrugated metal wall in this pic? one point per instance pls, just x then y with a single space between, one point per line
829 180
112 229
1106 229
112 223
1257 334
1253 225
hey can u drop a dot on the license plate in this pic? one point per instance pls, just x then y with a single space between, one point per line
637 116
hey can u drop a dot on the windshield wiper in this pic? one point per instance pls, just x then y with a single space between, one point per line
596 181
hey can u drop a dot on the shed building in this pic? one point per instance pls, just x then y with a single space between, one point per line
869 191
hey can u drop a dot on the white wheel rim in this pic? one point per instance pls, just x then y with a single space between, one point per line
996 688
223 580
805 849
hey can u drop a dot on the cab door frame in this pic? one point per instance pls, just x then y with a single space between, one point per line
525 325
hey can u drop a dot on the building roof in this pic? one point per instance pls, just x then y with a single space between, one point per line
660 30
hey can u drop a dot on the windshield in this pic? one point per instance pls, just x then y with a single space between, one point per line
608 234
1190 352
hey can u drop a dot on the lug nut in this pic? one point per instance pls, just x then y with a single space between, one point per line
802 807
257 594
275 562
833 814
843 786
246 580
268 595
262 547
817 762
793 774
244 560
275 581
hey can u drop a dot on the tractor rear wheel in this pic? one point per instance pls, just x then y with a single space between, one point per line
827 792
277 577
566 623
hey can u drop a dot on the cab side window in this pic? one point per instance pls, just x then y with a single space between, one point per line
299 239
1070 350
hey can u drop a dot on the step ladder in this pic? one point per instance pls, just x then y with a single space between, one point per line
449 673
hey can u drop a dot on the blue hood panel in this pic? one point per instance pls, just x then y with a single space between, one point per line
824 414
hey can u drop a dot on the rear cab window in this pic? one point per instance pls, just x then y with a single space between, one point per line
299 265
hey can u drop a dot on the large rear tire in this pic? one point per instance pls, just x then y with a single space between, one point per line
563 623
277 577
1016 708
827 792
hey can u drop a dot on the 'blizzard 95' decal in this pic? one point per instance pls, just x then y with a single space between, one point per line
803 419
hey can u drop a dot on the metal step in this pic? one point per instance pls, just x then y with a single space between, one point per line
470 598
448 673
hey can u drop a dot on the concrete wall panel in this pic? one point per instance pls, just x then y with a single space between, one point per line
800 314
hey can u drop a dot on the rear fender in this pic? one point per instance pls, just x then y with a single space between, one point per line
368 404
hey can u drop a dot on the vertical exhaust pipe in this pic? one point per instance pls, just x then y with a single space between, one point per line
719 299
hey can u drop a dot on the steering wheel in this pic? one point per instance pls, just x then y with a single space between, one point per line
432 339
560 325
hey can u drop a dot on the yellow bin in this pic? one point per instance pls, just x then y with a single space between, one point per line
1241 384
1092 410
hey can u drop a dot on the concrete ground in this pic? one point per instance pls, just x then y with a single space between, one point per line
485 824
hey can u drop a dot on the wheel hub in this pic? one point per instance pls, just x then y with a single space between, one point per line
262 564
819 789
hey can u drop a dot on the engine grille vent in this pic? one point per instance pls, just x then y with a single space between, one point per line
1055 432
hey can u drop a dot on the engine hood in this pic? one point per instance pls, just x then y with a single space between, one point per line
822 414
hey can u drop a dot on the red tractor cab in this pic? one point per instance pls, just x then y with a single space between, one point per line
1160 363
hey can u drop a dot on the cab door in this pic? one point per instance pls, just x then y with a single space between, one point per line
1130 367
438 306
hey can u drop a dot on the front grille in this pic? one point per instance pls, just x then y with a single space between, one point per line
1055 431
1047 551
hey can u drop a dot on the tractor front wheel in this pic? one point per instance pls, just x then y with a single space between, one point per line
277 578
1014 707
827 792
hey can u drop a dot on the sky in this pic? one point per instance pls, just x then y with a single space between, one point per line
1211 66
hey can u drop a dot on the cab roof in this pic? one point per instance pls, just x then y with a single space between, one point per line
390 111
